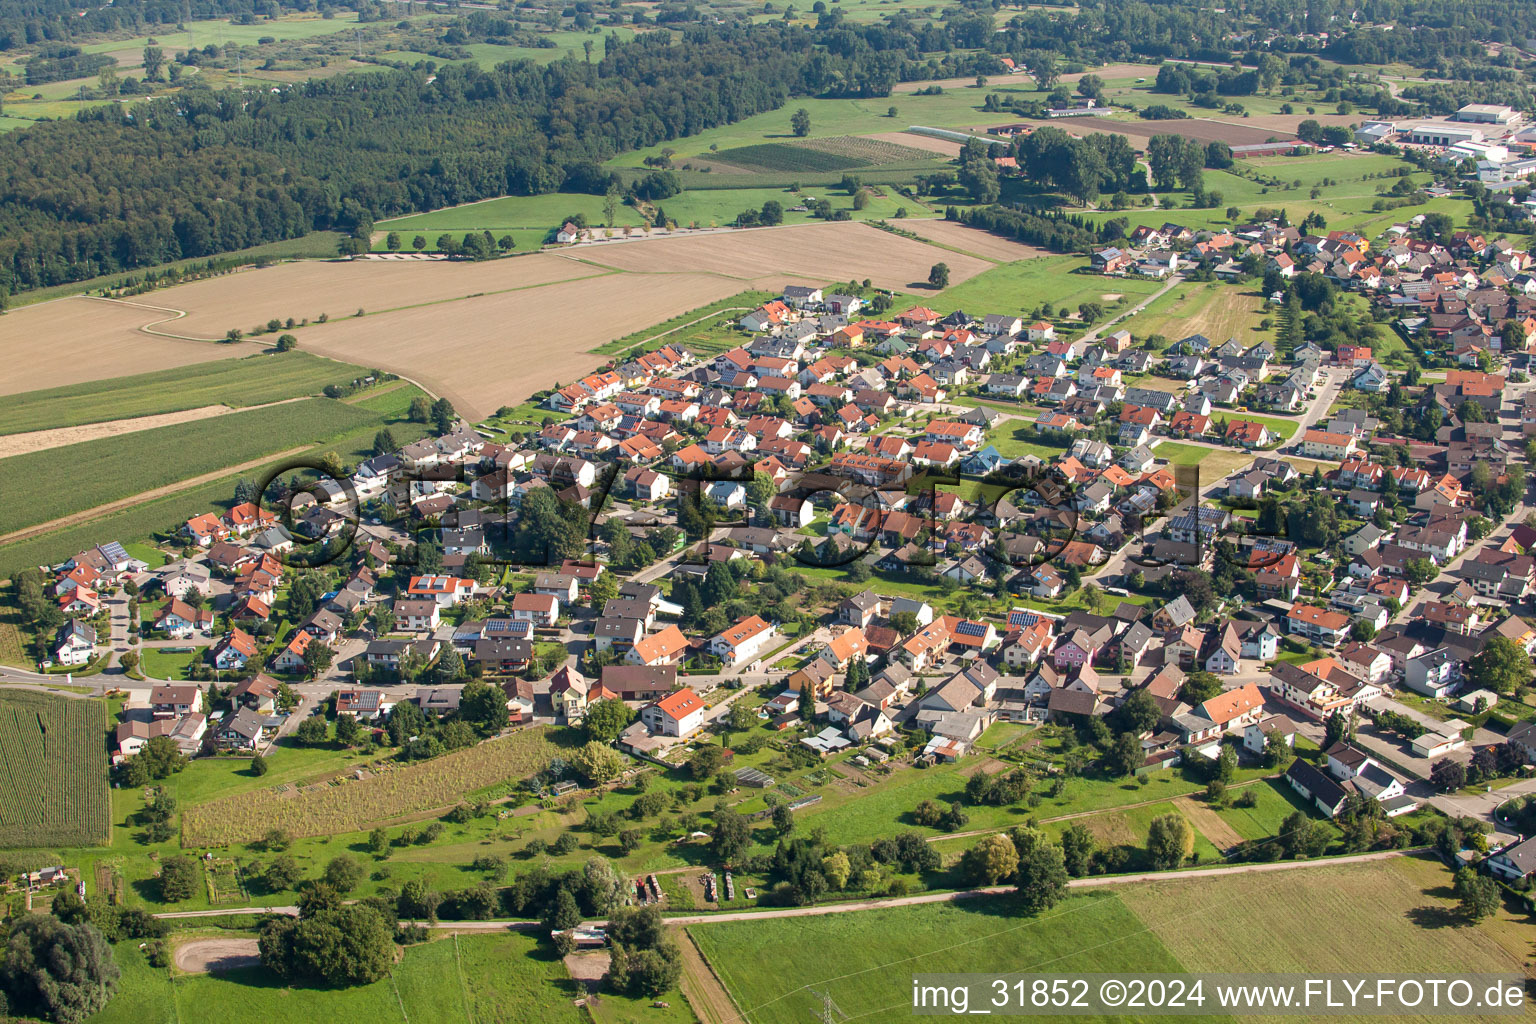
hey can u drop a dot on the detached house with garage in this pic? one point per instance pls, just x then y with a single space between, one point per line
744 641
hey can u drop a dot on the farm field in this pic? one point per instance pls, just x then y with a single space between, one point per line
878 951
63 481
315 245
339 288
819 155
500 348
955 108
824 253
164 513
482 364
466 979
254 380
220 31
973 240
392 792
1394 914
55 344
488 55
54 764
1203 129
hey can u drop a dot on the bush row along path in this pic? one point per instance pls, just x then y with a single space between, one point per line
845 908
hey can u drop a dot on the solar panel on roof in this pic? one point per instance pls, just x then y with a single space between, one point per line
972 628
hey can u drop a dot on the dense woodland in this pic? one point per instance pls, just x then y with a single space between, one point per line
203 173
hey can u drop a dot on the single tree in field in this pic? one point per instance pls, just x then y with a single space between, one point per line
1169 841
990 861
800 122
938 276
392 241
419 242
1478 894
154 60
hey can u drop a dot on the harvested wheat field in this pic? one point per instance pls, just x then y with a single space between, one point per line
78 339
944 147
494 350
339 288
823 253
974 240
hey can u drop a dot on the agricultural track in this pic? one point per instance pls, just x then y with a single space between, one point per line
702 987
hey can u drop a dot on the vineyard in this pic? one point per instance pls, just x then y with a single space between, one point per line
866 150
785 156
53 768
387 790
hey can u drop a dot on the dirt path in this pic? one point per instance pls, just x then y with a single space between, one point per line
203 955
149 328
875 904
702 988
1221 835
138 499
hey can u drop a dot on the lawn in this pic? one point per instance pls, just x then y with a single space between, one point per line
699 330
866 961
61 481
467 979
1276 801
158 663
1021 287
833 117
254 380
1214 464
219 31
54 767
1218 311
532 220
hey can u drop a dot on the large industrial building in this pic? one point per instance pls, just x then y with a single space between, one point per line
1487 113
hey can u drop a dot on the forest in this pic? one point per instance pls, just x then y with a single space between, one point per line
209 172
199 172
